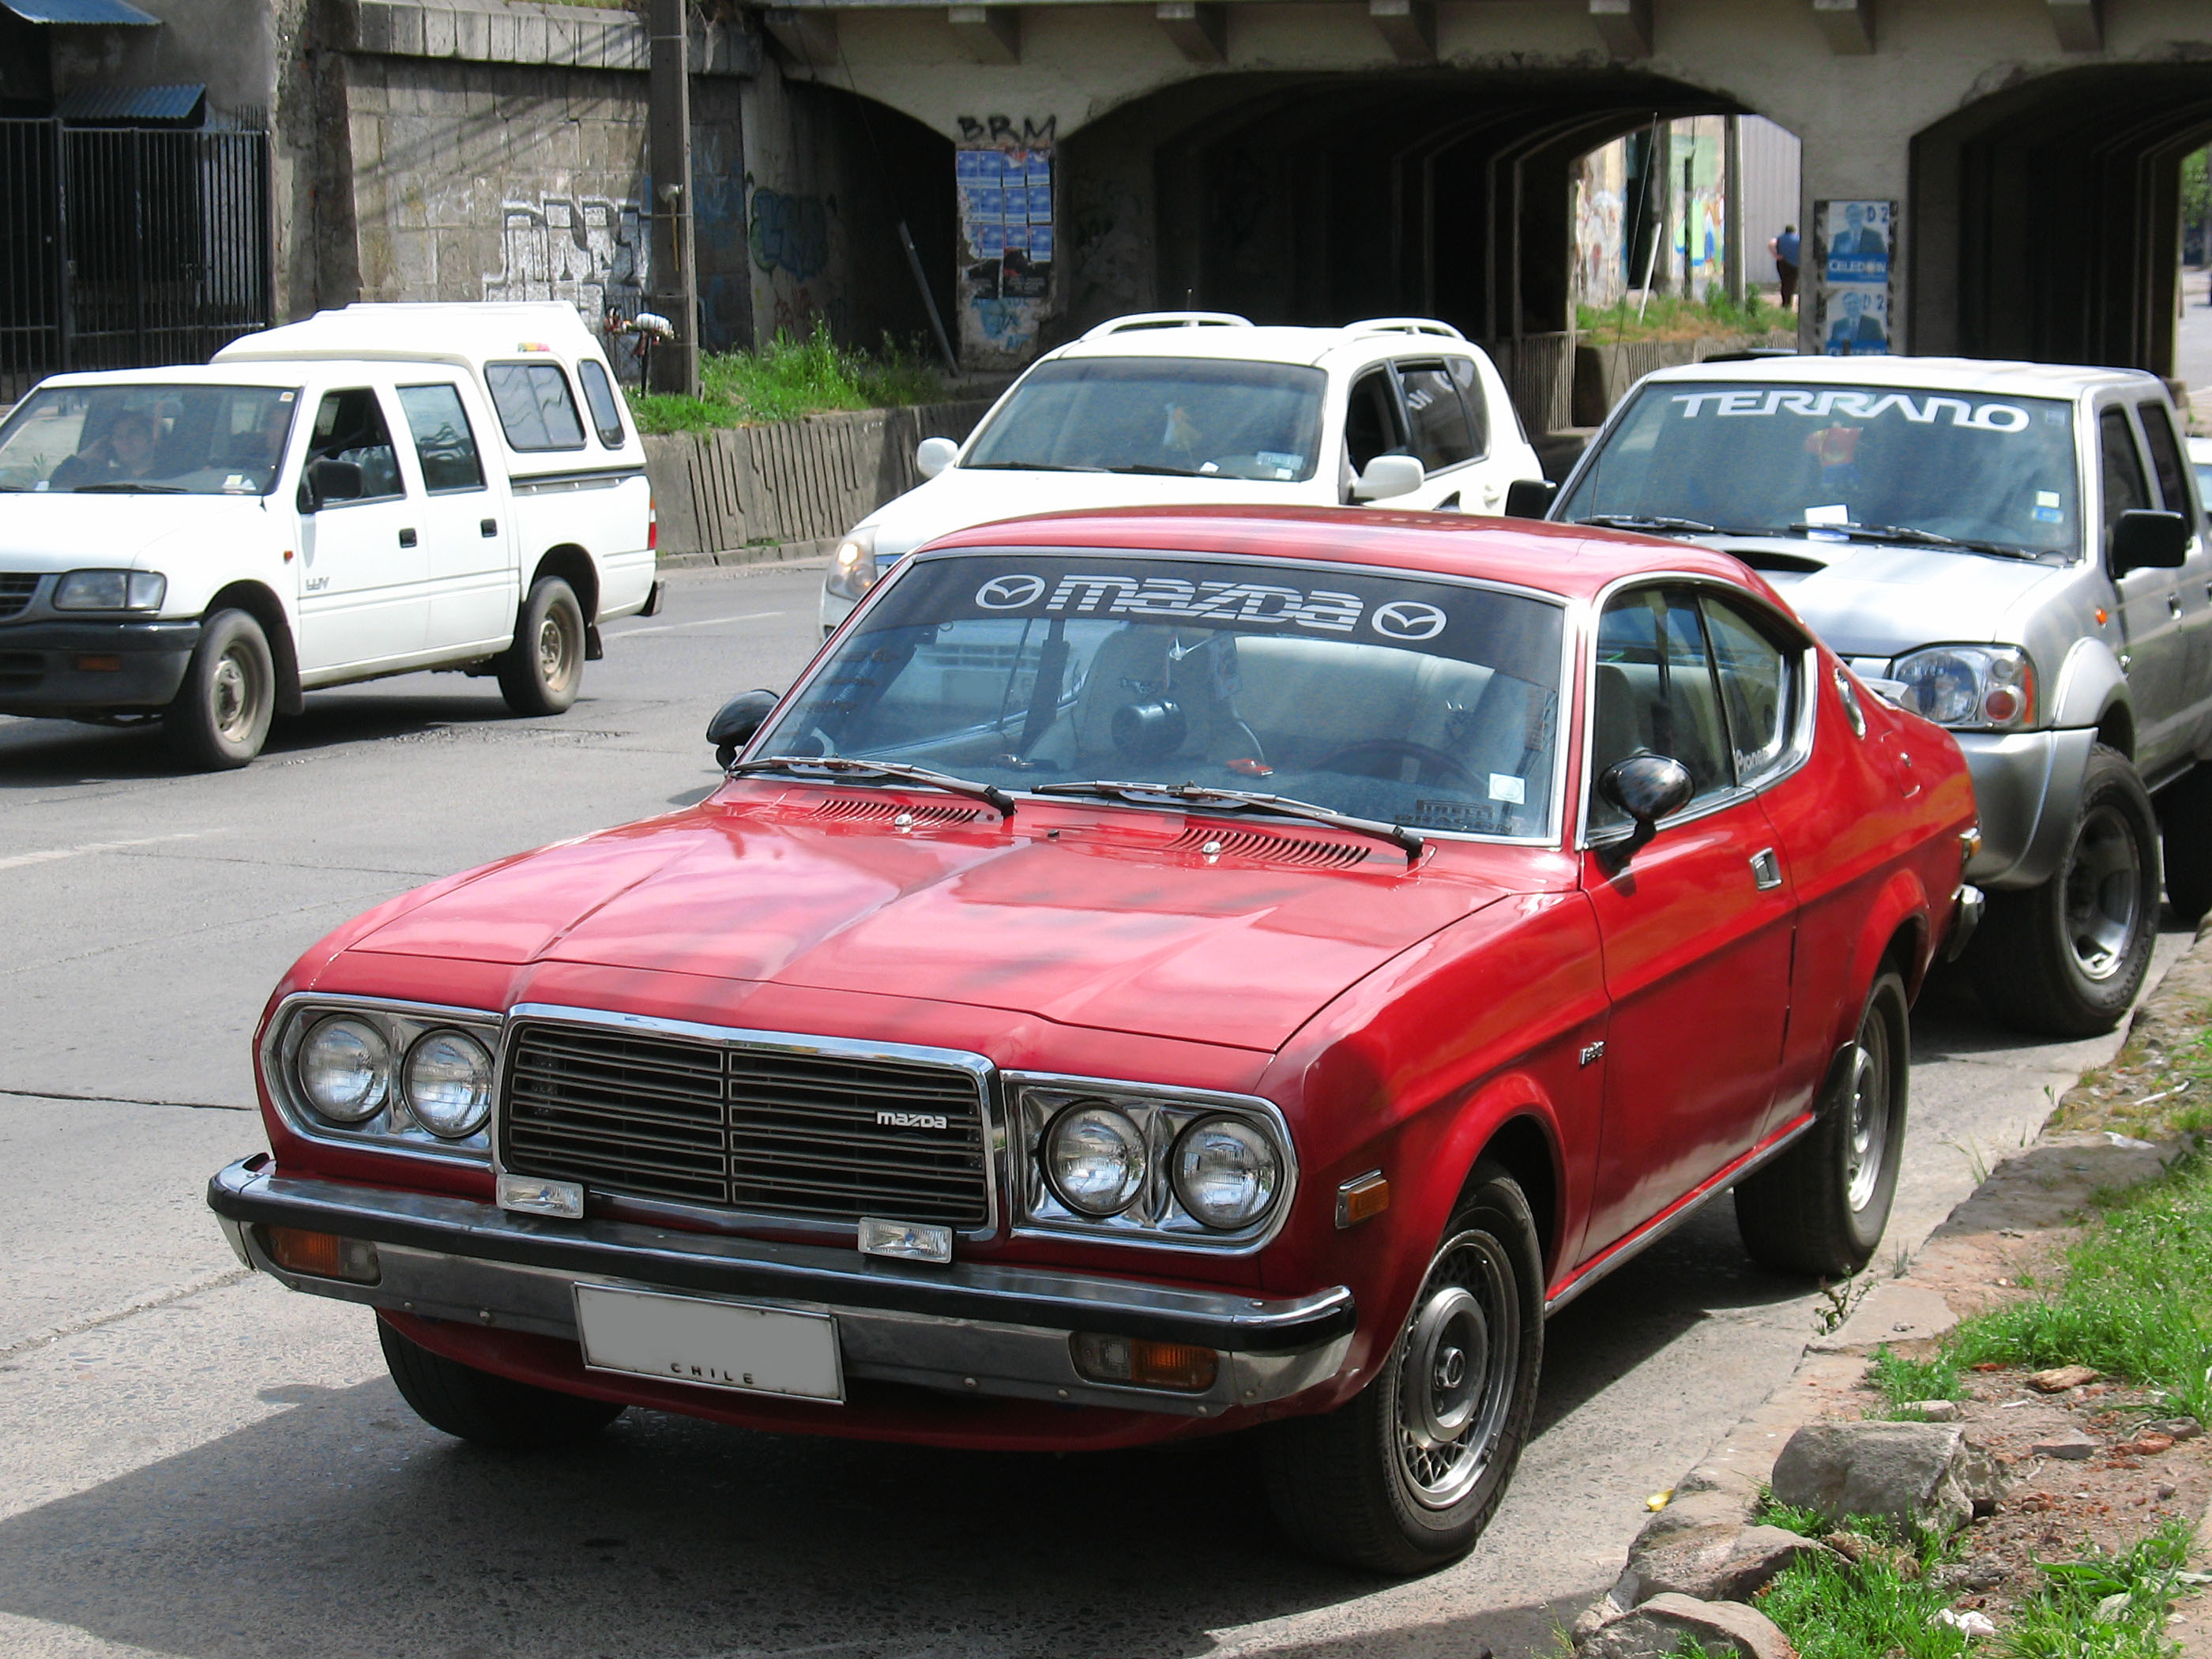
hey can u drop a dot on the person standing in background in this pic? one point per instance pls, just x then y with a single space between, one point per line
1784 248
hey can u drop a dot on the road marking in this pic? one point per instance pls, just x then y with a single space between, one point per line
704 622
48 854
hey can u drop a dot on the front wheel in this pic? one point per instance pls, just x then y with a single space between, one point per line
485 1409
1405 1477
541 671
1822 1206
220 716
2066 959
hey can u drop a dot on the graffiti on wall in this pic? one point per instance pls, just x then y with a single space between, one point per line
1003 172
789 234
795 242
589 251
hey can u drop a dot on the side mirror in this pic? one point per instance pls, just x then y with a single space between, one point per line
1648 787
1387 475
933 455
2145 540
735 722
329 481
1529 498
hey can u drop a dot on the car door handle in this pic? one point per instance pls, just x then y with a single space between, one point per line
1765 869
489 526
2173 604
407 538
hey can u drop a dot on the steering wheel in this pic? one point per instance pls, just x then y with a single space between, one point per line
1399 749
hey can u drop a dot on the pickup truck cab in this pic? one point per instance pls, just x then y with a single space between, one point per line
370 492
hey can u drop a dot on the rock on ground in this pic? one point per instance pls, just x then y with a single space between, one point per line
1656 1629
1916 1474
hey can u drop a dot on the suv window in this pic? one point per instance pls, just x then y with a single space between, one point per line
2124 489
1656 694
535 405
444 442
2166 460
1759 688
1440 434
350 427
1468 379
1372 423
606 408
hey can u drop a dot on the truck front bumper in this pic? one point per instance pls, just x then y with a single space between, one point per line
966 1328
2028 791
83 669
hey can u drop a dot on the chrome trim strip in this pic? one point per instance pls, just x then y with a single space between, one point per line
279 1044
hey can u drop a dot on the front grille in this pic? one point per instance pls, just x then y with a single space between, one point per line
744 1127
15 590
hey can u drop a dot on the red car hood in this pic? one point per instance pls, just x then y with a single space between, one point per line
1105 925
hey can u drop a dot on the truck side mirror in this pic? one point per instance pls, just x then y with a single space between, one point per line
1648 787
735 722
1529 498
1387 475
2147 540
933 455
328 481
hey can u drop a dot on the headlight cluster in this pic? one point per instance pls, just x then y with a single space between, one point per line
399 1074
852 567
110 590
1198 1169
1977 688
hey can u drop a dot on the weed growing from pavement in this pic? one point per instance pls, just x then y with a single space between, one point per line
1791 1517
2104 1607
1903 1382
787 377
1882 1604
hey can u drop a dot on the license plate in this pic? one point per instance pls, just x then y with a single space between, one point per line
711 1345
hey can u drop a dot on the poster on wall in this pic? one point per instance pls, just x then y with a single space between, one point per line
1854 249
1006 233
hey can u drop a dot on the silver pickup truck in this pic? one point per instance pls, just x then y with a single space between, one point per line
2016 550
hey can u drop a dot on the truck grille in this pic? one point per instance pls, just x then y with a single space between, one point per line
15 590
744 1127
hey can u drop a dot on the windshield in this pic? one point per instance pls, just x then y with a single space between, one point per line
159 440
1188 416
1421 703
1753 459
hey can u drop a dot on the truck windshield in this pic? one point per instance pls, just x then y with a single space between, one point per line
1429 704
154 439
1754 459
1187 417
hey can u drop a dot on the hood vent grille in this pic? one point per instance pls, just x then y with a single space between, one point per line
1272 849
849 809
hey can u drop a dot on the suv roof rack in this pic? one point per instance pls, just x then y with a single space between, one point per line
1404 325
1144 319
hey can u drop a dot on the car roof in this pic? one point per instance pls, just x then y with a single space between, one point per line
467 334
1224 337
1572 561
1969 374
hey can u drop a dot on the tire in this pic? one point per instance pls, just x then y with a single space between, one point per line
219 719
1356 1486
1821 1208
2185 821
487 1410
541 673
2066 959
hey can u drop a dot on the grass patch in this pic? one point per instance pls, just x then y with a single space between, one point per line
1669 317
1791 1517
2149 1091
1885 1605
788 378
2134 1300
2105 1607
1905 1382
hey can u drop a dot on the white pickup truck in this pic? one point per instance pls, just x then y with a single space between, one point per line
371 491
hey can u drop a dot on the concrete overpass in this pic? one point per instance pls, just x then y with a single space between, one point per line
1318 161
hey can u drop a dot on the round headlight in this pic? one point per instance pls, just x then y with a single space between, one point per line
1226 1172
447 1084
345 1069
1096 1158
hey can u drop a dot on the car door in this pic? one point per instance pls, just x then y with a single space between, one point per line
2192 586
2154 650
362 566
1447 421
1695 925
473 596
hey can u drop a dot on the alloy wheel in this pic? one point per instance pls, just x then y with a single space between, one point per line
2103 893
1457 1358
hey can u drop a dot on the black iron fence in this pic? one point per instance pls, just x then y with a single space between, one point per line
122 247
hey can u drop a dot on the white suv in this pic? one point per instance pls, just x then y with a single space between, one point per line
1169 408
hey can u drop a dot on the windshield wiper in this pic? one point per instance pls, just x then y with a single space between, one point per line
1197 794
1026 466
1159 471
990 794
128 487
1650 521
1916 538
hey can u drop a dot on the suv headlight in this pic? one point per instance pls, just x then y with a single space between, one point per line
852 567
1970 688
110 590
407 1075
1139 1162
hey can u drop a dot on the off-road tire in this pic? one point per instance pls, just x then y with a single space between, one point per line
2184 823
1342 1485
542 672
220 717
487 1410
1821 1208
2032 956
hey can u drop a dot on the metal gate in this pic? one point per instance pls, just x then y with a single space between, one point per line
123 247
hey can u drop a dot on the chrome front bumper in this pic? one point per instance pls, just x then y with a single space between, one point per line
968 1329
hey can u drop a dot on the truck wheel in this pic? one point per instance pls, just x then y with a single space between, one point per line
220 716
1822 1206
487 1410
1404 1478
2066 958
2185 821
539 673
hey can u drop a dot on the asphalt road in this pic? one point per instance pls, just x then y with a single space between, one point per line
194 1462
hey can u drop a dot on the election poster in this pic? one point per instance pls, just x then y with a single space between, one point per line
1854 254
1005 196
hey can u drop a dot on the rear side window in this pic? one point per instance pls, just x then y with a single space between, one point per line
1442 436
606 408
2165 459
536 408
444 442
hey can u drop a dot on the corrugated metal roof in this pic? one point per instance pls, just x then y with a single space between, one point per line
112 13
92 104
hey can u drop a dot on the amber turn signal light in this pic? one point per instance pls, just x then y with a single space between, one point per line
322 1255
1136 1362
1361 1197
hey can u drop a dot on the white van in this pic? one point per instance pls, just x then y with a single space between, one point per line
372 491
